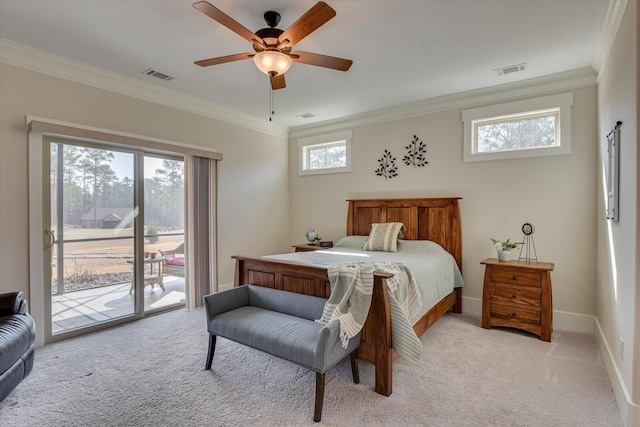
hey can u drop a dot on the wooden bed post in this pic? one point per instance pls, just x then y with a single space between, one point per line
382 321
457 307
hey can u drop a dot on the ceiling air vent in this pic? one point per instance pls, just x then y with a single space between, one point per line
154 73
510 69
305 116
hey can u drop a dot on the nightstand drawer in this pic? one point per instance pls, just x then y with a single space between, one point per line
518 295
516 277
521 315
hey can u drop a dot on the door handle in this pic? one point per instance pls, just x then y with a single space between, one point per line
52 241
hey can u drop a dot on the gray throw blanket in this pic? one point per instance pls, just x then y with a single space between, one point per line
351 291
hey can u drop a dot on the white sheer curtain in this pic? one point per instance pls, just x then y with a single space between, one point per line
201 249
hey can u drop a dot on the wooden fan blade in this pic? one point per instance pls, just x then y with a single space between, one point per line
307 23
224 59
277 82
321 60
217 15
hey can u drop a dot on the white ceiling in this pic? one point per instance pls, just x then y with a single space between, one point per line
403 50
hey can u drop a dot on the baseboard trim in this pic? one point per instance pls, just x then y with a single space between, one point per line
573 322
629 411
472 306
562 320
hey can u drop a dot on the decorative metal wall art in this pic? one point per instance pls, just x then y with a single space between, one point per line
613 172
416 157
387 166
416 152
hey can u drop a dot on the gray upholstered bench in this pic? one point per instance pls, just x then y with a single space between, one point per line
282 324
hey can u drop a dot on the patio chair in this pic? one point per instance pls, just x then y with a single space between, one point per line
174 261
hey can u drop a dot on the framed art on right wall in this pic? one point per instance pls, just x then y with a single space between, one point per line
613 172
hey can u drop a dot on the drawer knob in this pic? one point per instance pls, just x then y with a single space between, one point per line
514 278
514 296
513 315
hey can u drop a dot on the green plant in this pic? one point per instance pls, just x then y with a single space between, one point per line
317 239
504 245
152 234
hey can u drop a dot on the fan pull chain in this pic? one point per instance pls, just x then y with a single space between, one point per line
272 104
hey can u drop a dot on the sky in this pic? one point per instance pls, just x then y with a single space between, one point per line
122 164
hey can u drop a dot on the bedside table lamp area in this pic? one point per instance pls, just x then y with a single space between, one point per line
315 242
307 247
517 294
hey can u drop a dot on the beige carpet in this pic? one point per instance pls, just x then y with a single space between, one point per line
149 373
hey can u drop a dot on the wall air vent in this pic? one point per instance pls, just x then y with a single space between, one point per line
510 69
305 116
154 73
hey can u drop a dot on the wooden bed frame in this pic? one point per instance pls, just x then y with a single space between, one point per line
435 219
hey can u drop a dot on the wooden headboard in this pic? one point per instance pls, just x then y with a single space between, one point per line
435 219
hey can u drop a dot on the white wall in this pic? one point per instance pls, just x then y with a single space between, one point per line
618 295
253 186
555 193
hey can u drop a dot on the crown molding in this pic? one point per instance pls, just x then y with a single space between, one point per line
565 81
22 56
609 32
42 62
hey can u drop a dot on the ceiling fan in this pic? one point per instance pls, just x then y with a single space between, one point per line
272 46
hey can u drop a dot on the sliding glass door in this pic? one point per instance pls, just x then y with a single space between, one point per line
107 260
164 261
93 223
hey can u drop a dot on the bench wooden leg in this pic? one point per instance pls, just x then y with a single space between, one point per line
319 396
212 349
354 367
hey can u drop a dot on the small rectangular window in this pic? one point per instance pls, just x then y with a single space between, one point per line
325 154
534 127
537 129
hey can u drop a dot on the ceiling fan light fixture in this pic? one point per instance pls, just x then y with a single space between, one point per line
272 45
272 61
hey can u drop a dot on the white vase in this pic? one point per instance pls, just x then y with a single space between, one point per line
504 255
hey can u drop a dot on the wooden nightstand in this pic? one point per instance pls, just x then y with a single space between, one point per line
305 247
517 294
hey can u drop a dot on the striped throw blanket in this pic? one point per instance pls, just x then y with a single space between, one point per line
351 291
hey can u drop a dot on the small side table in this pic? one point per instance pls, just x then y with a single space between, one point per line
517 294
305 247
155 274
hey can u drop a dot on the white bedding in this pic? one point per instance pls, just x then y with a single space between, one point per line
435 269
